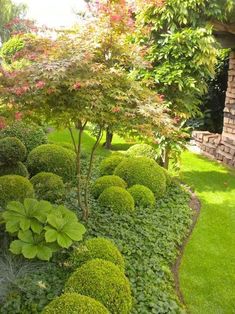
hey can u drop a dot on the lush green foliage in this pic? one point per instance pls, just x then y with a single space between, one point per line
103 281
12 150
168 176
105 182
143 171
142 195
108 165
42 229
97 248
202 282
17 168
142 150
52 158
117 199
30 134
149 241
48 186
11 47
14 188
74 303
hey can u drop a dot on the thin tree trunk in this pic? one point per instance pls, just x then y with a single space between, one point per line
86 192
166 158
109 138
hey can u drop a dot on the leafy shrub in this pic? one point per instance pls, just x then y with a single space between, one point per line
14 188
42 228
69 303
142 150
143 171
10 47
12 150
97 248
48 186
168 177
52 158
142 195
103 281
117 199
105 182
108 165
31 134
17 169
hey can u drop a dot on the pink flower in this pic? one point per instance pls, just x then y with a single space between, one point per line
116 18
40 84
18 116
77 86
2 123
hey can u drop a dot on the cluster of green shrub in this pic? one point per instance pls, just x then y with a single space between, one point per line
136 170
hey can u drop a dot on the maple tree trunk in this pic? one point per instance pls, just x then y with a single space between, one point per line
166 158
109 138
88 177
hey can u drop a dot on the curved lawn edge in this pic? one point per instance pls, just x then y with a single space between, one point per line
195 205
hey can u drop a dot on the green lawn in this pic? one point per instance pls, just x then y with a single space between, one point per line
207 272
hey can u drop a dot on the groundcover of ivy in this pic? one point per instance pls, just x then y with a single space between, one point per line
149 239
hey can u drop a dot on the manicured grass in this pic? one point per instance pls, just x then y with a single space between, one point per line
207 272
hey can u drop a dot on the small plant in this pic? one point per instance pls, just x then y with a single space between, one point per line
142 150
48 186
117 199
69 303
105 182
143 171
52 158
142 195
17 169
12 150
41 228
108 165
103 281
97 248
14 188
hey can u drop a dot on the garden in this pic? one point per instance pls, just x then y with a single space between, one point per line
102 207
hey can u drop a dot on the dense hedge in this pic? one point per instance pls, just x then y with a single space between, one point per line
142 150
105 182
17 168
103 281
52 158
117 199
30 134
48 186
143 171
74 303
12 150
142 195
14 188
108 165
97 248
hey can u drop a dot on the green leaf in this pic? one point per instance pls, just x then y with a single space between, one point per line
25 224
75 231
16 247
26 236
29 250
64 240
55 221
44 253
36 226
16 207
51 235
12 226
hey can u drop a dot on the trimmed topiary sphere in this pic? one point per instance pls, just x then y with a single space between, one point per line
12 150
108 165
18 169
117 199
143 171
74 303
142 150
14 188
105 182
168 177
30 134
48 186
105 282
52 158
142 195
97 248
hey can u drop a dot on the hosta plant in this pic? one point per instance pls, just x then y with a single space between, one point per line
41 228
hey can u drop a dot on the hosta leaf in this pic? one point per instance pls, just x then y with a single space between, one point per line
16 247
74 230
64 241
26 236
44 253
16 207
29 250
36 226
24 223
51 235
